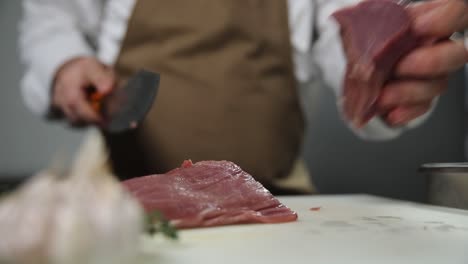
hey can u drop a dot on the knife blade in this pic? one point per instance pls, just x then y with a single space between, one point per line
126 106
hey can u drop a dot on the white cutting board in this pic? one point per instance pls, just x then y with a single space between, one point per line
347 229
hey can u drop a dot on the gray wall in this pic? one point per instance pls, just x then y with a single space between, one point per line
26 142
339 161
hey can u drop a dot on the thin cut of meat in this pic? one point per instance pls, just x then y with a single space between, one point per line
376 35
208 193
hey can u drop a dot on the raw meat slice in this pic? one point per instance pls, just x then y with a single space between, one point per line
376 35
208 193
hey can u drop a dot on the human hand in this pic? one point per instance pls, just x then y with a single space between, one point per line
439 18
71 89
422 75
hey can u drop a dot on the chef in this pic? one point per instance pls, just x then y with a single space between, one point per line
231 75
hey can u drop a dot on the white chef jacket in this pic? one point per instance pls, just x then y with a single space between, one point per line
54 31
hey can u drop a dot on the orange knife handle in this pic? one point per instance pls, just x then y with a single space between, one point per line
95 99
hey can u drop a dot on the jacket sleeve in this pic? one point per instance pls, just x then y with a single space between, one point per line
328 55
50 33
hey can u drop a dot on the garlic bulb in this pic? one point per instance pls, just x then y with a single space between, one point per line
84 217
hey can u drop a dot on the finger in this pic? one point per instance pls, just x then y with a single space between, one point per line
63 100
76 107
439 18
435 60
412 92
404 114
101 77
70 114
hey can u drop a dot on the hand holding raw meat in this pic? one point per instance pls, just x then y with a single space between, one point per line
376 34
422 74
440 17
397 63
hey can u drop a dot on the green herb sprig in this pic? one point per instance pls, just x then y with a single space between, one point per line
156 223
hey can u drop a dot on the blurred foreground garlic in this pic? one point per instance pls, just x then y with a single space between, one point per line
83 217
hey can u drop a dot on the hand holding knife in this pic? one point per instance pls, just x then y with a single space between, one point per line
125 107
85 92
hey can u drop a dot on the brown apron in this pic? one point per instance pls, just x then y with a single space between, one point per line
227 87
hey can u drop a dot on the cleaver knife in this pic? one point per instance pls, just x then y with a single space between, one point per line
126 106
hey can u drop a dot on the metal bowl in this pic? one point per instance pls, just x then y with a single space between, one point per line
447 184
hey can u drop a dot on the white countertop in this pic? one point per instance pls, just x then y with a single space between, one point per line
347 229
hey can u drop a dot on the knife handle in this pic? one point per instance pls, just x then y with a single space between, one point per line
95 98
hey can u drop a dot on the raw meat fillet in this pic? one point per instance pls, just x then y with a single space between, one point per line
208 193
376 34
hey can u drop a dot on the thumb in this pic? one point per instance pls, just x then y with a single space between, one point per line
439 18
101 77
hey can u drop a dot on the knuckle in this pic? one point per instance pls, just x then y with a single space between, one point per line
87 61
